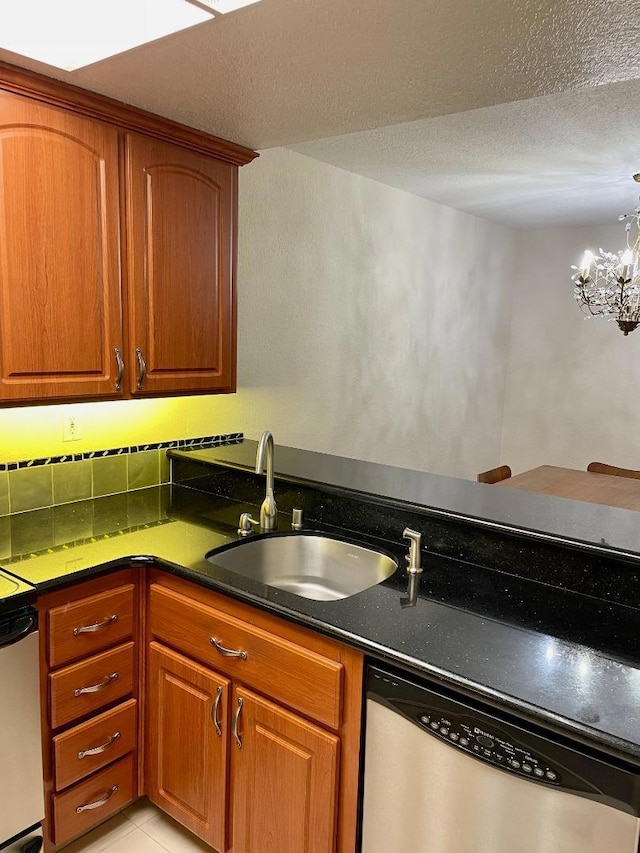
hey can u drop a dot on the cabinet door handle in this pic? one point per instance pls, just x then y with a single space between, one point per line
228 653
214 711
96 688
236 721
96 750
120 366
142 368
97 626
97 803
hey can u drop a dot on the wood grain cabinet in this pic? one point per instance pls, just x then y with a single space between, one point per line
60 314
187 742
285 779
253 725
90 698
117 248
179 214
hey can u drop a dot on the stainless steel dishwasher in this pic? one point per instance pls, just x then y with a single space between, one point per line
442 776
21 785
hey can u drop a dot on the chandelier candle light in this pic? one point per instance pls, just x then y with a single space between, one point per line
608 284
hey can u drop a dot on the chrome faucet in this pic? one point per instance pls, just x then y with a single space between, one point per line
268 510
414 566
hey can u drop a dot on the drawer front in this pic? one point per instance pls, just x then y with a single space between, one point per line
90 624
304 680
93 800
94 744
82 688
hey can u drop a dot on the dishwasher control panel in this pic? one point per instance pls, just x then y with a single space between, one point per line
496 737
488 745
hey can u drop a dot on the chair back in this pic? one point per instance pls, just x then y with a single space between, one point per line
602 468
494 475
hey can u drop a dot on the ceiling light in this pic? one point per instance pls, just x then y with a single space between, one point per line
222 7
72 33
608 284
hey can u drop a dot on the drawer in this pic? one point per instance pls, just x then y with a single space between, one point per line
82 688
299 678
90 624
94 744
93 800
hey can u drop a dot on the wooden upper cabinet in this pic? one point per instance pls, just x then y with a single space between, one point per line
117 248
180 224
60 309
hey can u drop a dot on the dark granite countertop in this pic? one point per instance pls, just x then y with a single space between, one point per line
566 661
603 529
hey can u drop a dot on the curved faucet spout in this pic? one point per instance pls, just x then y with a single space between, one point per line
268 510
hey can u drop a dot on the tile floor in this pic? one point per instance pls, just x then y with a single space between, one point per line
141 828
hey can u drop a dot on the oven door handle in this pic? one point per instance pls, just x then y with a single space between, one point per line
22 626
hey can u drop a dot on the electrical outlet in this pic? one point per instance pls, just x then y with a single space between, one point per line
70 425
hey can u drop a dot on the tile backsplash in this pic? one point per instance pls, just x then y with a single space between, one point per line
35 484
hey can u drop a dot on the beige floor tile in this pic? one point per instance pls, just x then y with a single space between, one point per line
135 842
141 811
103 836
172 836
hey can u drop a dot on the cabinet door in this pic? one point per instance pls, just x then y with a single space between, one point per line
186 751
60 311
181 209
285 777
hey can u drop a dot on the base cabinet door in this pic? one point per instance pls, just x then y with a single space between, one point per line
285 776
187 743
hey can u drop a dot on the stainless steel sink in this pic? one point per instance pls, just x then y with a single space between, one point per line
307 564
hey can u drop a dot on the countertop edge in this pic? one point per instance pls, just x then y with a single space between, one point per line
618 748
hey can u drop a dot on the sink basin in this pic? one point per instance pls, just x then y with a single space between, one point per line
307 564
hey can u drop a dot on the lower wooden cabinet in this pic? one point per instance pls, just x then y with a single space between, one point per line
89 682
284 770
234 749
284 780
187 743
250 725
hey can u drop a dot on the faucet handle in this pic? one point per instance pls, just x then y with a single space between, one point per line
244 525
413 557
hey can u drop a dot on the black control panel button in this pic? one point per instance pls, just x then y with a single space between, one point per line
485 741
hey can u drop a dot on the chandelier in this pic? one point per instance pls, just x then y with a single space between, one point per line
608 284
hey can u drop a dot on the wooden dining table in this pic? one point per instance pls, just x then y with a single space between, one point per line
578 485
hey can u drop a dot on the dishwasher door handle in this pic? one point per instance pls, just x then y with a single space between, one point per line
21 628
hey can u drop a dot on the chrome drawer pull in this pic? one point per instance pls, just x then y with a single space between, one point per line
96 750
96 688
228 653
142 368
236 720
214 711
87 807
120 365
97 626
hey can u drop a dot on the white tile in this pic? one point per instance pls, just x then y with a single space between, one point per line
172 836
141 811
135 842
103 836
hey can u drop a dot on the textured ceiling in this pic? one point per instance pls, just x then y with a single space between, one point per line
282 72
564 159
